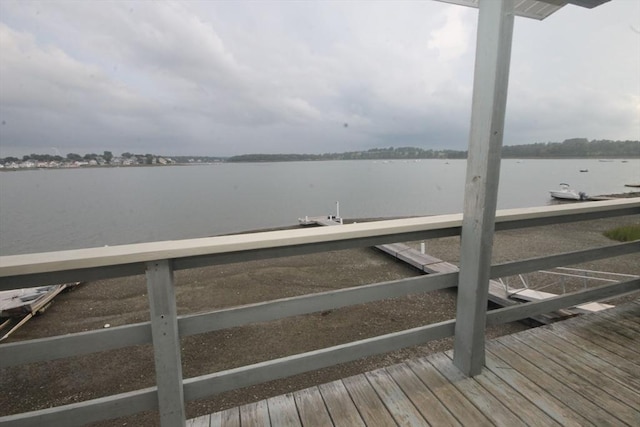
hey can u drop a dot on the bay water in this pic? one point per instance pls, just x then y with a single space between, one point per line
50 210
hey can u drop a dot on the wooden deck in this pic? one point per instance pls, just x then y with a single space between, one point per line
583 371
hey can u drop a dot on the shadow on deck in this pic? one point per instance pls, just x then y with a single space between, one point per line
582 371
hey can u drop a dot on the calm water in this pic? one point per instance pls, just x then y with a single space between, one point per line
47 210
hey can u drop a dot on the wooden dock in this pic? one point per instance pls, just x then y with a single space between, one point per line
431 265
578 372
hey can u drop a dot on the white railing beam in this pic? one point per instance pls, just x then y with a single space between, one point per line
30 270
491 76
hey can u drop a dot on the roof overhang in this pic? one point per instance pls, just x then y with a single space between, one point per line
536 9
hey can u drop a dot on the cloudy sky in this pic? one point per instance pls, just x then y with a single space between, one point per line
234 77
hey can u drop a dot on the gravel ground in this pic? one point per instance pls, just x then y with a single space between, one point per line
122 301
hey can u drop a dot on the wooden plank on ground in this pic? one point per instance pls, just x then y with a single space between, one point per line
409 255
255 414
371 408
424 400
413 258
311 408
620 400
441 267
202 421
535 394
341 408
282 411
450 396
491 407
531 364
398 404
392 248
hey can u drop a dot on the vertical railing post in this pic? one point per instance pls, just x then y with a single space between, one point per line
491 76
166 342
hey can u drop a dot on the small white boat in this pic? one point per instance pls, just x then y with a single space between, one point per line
567 193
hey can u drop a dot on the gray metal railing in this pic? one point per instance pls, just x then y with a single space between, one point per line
159 260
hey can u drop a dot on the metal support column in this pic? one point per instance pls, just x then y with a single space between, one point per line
491 76
166 343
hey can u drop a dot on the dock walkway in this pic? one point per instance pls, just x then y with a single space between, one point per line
429 264
578 372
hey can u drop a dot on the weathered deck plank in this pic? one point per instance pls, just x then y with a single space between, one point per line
465 411
520 406
202 421
600 338
398 404
341 408
547 403
591 367
588 382
491 407
618 365
283 412
580 372
424 400
228 418
312 414
371 408
255 414
552 378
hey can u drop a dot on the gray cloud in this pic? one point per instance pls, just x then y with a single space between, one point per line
223 78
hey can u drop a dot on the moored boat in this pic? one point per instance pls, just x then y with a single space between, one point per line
567 193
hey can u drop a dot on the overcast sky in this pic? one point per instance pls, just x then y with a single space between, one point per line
233 77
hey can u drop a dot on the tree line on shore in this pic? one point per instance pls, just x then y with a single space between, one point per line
570 148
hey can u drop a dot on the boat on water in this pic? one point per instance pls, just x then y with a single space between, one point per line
567 193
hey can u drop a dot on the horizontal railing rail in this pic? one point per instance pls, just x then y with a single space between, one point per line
82 343
20 270
43 349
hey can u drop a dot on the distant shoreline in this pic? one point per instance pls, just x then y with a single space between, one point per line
82 167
